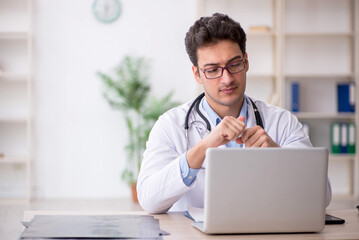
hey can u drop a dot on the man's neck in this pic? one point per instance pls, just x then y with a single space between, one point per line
223 110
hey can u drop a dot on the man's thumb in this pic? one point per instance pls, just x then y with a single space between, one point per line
242 118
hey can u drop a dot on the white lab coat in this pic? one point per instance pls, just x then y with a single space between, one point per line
160 186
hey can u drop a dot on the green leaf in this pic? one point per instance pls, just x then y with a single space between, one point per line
127 90
156 108
128 176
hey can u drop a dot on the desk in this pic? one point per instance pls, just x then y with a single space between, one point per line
180 226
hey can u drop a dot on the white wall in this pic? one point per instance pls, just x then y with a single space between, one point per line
78 139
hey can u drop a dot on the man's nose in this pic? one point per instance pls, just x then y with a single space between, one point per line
227 77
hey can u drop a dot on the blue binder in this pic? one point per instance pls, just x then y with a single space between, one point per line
346 98
295 97
343 138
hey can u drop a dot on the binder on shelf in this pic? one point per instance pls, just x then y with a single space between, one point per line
295 97
346 97
335 137
343 138
351 138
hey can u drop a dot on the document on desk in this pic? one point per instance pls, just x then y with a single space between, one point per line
196 214
93 227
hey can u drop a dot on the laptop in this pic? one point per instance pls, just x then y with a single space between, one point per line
264 190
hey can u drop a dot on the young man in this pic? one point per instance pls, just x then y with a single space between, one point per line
171 176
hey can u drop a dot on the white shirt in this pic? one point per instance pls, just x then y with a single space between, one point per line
160 186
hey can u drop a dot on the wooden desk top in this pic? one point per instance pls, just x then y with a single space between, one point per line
180 226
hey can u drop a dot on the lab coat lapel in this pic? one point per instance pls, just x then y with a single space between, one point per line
251 119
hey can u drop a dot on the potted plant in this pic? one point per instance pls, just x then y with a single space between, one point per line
128 91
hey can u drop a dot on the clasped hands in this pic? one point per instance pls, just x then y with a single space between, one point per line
229 129
234 129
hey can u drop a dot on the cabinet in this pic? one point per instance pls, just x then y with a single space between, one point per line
314 43
319 53
15 100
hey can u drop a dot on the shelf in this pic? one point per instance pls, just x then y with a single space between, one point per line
13 119
12 201
316 75
14 34
260 34
260 75
314 43
15 100
341 157
13 76
318 115
319 34
14 159
14 55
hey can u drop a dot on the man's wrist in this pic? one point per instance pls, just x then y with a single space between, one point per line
188 174
196 155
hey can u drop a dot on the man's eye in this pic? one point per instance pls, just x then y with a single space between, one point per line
236 64
212 70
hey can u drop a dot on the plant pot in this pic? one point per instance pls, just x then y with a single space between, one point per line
134 192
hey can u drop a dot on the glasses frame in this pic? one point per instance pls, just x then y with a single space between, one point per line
223 68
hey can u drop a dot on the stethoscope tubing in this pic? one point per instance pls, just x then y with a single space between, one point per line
196 103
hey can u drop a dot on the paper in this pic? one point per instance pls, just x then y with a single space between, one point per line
90 227
197 214
159 238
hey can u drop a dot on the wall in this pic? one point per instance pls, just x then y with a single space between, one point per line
78 139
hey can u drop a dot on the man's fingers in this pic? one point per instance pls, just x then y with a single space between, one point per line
239 140
227 130
256 137
229 134
234 124
252 140
242 118
232 127
249 132
258 142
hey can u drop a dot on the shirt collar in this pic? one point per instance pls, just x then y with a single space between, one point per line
213 116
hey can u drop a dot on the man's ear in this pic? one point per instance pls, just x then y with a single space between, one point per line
196 74
247 62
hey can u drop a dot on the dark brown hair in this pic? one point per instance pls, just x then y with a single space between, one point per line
210 30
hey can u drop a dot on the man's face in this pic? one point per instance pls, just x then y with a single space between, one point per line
227 90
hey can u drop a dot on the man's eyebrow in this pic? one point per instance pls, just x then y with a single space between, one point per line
217 64
234 58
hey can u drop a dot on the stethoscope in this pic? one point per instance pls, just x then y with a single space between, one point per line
196 103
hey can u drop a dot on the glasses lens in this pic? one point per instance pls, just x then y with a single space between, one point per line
217 72
213 72
236 67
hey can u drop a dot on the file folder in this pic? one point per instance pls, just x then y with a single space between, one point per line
351 138
295 97
343 138
346 97
335 137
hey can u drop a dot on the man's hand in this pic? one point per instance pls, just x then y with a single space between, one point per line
227 130
256 137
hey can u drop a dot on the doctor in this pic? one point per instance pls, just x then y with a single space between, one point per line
173 167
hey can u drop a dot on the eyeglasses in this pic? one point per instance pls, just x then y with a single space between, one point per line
217 72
